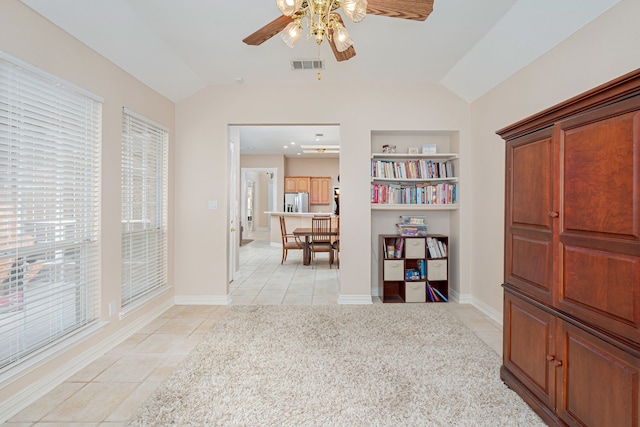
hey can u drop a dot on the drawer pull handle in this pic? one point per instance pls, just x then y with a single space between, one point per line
550 358
557 363
553 214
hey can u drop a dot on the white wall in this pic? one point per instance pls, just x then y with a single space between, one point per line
601 51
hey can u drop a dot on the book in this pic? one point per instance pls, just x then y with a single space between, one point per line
431 294
433 252
399 247
440 294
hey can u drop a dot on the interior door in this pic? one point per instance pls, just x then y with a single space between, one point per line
234 225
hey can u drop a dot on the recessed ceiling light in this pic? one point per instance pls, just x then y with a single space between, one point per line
293 143
285 146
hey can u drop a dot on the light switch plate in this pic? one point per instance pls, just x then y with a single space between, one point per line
213 205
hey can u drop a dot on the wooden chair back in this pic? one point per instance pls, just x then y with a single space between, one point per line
321 229
283 230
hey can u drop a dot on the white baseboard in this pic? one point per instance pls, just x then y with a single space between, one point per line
354 299
486 309
44 385
202 300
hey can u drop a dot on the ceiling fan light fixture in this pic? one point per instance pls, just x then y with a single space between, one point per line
291 33
356 10
289 7
341 38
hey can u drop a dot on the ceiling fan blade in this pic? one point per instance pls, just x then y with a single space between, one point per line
418 10
268 31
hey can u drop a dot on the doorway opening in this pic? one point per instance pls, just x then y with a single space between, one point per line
268 153
259 195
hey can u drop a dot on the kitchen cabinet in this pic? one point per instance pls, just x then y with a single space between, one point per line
297 184
320 192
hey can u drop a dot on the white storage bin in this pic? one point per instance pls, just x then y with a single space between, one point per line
393 269
415 292
414 248
437 269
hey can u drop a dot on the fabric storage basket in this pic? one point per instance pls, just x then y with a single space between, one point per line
415 292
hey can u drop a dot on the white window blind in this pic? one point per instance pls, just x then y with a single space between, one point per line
50 137
144 207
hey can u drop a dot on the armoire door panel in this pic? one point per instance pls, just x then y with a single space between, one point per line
600 383
601 183
530 266
527 358
602 288
531 192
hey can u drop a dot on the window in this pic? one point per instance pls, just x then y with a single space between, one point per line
144 207
49 204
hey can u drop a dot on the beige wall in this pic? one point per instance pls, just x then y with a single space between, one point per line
599 52
201 123
30 38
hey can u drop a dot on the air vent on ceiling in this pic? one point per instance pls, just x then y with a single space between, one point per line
307 64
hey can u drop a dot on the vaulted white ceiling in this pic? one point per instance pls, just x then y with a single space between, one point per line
178 47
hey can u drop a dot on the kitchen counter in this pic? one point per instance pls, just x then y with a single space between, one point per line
301 214
292 221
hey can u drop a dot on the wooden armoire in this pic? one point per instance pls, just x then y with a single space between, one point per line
572 258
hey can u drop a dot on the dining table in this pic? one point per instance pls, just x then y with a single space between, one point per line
306 233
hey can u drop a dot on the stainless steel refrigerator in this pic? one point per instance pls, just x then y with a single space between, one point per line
296 202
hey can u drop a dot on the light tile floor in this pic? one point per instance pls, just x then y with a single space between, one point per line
107 391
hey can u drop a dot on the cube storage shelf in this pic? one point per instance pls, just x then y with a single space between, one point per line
414 269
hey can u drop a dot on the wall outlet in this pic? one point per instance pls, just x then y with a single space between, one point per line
112 308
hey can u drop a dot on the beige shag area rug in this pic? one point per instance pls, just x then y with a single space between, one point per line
375 365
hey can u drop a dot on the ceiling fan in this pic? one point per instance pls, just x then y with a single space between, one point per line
323 20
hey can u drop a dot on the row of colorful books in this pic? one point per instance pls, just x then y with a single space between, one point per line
411 169
416 194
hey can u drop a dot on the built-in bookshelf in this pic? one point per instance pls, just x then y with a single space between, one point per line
414 269
414 181
410 171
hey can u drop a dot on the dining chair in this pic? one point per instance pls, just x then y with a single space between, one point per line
289 241
321 237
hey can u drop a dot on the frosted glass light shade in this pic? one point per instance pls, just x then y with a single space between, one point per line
291 34
288 7
341 38
356 10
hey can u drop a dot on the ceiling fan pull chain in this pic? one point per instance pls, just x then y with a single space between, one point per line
319 74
